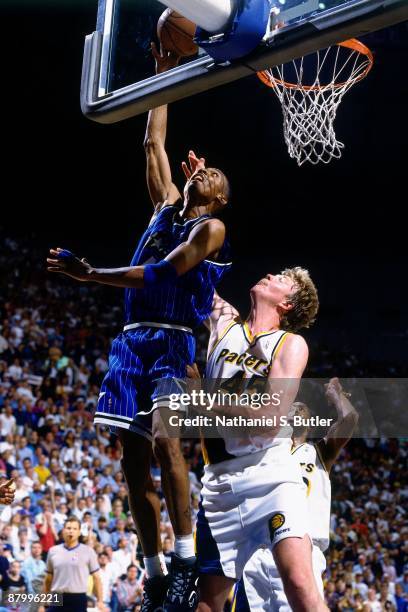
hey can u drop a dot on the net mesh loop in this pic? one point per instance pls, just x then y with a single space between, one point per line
309 104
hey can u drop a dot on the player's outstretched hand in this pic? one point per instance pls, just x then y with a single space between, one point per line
194 163
7 492
165 60
334 391
65 262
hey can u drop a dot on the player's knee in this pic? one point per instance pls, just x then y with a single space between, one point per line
168 452
133 474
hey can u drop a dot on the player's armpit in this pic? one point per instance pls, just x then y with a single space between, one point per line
222 314
204 241
221 309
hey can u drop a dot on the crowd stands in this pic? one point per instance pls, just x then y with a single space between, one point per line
54 341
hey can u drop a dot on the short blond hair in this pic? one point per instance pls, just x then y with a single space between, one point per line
304 300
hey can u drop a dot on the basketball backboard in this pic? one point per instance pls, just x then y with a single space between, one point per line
118 79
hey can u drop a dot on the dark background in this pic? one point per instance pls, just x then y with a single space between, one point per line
70 182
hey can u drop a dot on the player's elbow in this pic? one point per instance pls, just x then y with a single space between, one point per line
151 144
352 419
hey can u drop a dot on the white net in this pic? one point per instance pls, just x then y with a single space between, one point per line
310 90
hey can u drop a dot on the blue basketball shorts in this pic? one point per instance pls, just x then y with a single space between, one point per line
144 365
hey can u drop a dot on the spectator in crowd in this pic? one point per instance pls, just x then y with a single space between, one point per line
129 591
372 603
21 551
102 532
12 583
401 599
42 470
33 569
45 525
4 560
125 554
108 577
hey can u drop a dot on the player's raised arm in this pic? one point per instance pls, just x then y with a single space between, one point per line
158 173
342 430
222 314
205 240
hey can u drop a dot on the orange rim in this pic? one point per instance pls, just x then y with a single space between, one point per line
352 43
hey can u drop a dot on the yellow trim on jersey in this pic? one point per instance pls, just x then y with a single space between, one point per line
279 345
309 484
204 452
321 458
294 449
195 540
222 335
250 338
234 598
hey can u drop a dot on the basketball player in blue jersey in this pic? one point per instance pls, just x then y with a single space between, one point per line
261 587
169 291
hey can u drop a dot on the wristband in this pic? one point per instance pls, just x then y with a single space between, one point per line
65 254
162 273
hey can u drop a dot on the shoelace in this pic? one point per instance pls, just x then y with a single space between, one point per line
147 602
149 595
179 584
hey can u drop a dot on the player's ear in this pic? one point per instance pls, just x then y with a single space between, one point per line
284 307
222 199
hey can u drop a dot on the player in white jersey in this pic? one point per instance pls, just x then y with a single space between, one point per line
252 486
261 587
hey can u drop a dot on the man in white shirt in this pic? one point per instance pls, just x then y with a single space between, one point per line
24 390
108 577
7 422
15 371
122 557
360 586
371 603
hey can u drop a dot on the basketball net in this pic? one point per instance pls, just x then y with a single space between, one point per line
309 104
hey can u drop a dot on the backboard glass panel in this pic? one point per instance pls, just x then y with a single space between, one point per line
118 79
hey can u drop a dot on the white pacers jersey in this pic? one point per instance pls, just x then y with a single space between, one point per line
318 485
238 354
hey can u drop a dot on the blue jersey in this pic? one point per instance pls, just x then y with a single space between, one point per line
187 301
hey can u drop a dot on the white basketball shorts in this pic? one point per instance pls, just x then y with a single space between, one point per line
249 502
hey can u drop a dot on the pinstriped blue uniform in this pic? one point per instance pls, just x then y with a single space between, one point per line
141 358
